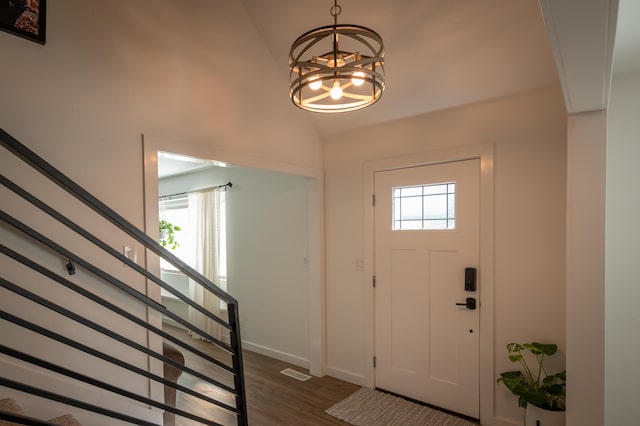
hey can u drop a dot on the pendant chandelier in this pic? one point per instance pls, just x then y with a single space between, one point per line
336 68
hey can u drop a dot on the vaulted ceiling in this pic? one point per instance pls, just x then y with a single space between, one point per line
439 53
442 53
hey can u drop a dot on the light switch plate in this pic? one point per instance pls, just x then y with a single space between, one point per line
131 253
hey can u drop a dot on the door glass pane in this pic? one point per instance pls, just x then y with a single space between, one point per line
410 208
424 207
411 191
451 205
435 189
435 206
411 224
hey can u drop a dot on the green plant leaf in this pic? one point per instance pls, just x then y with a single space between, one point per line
514 347
533 397
167 234
541 348
511 374
555 390
514 384
549 349
515 358
534 348
540 389
554 378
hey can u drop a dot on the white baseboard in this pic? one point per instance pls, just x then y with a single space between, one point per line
347 376
254 347
276 354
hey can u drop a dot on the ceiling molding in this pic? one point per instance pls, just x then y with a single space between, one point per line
582 36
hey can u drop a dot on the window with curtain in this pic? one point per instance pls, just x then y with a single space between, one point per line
176 211
202 245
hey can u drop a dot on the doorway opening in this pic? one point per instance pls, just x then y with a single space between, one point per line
273 244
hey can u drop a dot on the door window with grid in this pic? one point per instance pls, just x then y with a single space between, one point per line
424 207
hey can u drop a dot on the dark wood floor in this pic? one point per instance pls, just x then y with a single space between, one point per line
273 399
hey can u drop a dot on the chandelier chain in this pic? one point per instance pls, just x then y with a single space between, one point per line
335 11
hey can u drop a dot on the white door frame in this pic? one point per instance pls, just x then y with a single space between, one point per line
315 220
484 152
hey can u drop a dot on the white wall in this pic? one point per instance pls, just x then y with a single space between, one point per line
622 289
529 133
267 255
111 71
268 258
21 339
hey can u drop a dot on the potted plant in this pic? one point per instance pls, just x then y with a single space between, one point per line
541 394
167 234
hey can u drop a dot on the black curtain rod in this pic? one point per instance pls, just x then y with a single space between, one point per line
226 185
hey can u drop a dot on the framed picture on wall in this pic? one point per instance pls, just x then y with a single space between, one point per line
24 18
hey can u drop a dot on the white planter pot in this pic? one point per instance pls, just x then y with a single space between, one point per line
535 416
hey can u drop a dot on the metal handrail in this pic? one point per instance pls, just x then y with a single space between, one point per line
232 324
103 302
82 195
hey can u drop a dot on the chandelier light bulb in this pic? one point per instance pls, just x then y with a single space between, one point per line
358 78
336 91
315 83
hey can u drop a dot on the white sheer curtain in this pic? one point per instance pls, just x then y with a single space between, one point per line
205 219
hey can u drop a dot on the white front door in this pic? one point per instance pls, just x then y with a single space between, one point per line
426 235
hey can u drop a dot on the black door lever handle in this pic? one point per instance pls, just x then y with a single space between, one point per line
470 303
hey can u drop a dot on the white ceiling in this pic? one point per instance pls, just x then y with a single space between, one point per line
443 53
439 53
173 164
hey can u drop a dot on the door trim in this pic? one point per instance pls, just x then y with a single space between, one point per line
485 153
315 222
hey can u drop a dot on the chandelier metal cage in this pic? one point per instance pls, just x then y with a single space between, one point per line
336 68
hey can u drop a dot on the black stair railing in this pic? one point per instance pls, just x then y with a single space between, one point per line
224 371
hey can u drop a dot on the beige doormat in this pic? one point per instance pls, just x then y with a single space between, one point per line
368 407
